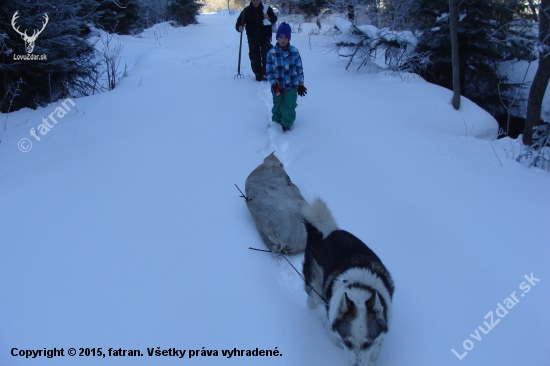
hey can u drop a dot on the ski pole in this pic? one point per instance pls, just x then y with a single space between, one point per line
239 75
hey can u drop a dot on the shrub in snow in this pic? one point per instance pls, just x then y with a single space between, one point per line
364 42
538 154
109 74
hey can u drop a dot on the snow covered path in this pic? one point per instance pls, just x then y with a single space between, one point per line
122 227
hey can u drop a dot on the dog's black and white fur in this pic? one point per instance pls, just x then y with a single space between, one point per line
356 287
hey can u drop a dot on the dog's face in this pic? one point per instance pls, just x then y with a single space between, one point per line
359 323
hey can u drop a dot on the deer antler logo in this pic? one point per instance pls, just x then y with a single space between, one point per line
29 40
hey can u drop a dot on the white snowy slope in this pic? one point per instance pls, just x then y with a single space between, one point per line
122 228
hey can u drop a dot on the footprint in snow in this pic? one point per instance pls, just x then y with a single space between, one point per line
287 277
277 139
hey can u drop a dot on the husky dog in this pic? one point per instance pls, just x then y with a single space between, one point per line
343 274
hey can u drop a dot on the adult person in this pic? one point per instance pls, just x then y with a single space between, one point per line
257 21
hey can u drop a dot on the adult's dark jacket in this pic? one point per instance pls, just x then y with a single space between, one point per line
254 22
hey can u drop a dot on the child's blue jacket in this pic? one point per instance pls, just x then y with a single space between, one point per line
284 66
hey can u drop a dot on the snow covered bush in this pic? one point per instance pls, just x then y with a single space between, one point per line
110 73
365 42
538 154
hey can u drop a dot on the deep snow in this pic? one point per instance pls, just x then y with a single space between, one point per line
122 226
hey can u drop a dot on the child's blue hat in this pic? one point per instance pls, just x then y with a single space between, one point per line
284 30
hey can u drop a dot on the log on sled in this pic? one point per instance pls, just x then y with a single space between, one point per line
275 203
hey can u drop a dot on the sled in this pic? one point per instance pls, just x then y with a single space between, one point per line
275 203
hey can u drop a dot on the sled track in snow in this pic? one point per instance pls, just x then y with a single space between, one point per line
276 140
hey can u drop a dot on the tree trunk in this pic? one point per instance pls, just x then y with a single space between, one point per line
540 81
5 78
453 22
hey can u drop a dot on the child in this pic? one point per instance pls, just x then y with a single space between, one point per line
286 76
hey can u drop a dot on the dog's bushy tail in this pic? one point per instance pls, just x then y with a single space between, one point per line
319 216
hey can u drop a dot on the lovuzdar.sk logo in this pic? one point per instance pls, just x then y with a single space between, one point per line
29 40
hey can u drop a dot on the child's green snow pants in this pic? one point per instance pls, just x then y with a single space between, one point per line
284 108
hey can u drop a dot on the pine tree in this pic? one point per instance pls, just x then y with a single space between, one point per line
311 8
69 67
119 16
184 12
152 11
482 44
542 77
